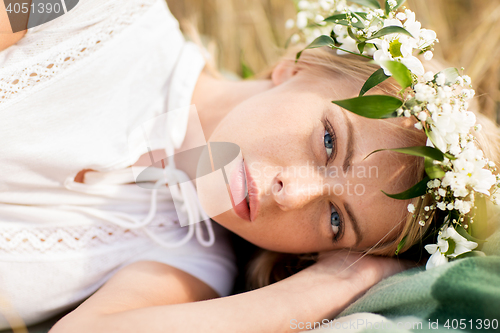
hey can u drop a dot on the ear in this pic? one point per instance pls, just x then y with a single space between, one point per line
284 71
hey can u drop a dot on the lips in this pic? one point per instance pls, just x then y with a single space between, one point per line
238 189
253 194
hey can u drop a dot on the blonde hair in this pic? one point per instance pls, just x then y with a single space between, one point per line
269 267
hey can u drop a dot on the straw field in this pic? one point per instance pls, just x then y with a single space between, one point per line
248 36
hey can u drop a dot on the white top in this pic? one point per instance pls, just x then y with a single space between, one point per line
71 93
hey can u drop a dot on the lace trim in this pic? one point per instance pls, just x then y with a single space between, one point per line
22 79
29 240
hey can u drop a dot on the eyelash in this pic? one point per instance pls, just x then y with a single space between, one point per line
330 131
340 227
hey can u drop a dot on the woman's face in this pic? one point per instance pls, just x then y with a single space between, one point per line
311 187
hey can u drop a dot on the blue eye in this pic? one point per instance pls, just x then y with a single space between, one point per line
328 142
335 221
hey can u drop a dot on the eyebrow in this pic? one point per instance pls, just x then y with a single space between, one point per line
355 224
345 167
349 144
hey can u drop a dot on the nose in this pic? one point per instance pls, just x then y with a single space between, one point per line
292 191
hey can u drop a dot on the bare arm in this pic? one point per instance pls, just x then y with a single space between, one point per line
7 37
135 302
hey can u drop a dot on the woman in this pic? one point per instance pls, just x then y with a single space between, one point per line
315 211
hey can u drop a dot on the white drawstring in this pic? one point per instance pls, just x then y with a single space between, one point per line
182 190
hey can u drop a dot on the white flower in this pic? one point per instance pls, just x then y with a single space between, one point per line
301 20
413 26
468 93
411 208
441 79
427 38
400 47
425 93
392 3
433 183
438 251
318 18
467 79
401 16
447 127
422 223
326 4
442 192
462 245
290 23
294 39
413 64
428 55
418 126
429 76
422 116
441 205
303 5
469 170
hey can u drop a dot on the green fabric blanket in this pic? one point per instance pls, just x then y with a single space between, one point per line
463 295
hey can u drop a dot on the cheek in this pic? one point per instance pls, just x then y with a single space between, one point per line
294 232
387 221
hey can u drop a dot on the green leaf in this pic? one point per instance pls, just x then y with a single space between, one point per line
470 254
393 29
372 106
246 71
322 40
388 8
451 246
462 232
400 2
360 20
344 19
336 18
374 80
361 47
400 245
352 34
367 3
417 190
421 151
399 72
432 170
451 75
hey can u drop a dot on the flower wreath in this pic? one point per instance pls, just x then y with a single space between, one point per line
458 176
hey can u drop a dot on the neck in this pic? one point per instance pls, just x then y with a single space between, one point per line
215 98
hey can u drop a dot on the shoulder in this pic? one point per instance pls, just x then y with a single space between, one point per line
7 37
